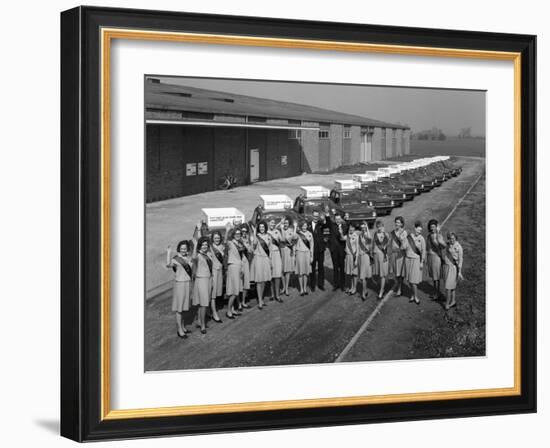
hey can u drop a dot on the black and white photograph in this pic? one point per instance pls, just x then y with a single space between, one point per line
291 223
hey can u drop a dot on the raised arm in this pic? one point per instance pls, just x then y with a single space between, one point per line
169 262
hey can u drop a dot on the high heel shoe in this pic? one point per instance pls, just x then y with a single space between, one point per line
203 330
181 336
246 305
229 317
218 320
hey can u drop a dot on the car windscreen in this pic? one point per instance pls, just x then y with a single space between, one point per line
350 197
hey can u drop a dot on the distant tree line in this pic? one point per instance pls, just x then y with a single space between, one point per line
432 134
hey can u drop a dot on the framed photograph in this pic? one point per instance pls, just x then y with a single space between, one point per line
277 224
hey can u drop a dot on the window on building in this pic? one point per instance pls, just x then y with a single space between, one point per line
323 133
252 119
347 133
295 134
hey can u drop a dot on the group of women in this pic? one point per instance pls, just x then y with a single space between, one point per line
211 266
403 255
266 255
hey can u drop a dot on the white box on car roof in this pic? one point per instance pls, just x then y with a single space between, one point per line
276 201
346 184
364 177
219 217
315 191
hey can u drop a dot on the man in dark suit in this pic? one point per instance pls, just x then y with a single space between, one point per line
318 229
337 244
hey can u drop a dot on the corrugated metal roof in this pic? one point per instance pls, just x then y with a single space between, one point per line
172 97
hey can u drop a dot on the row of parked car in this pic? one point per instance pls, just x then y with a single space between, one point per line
365 196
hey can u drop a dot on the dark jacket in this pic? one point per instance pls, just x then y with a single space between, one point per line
335 239
320 240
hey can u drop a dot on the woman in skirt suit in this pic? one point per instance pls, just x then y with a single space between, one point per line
234 255
261 263
304 255
288 242
202 287
276 260
350 261
182 265
415 255
435 244
397 253
246 261
453 257
216 254
380 246
364 247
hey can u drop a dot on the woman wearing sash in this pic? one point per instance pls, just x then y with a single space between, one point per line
415 254
261 263
452 269
435 244
245 263
202 287
181 264
216 253
288 241
304 255
397 255
350 262
275 257
364 246
234 255
380 245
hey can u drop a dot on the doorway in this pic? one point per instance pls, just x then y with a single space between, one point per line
254 165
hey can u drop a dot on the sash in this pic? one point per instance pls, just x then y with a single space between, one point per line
435 246
304 239
382 245
218 254
450 256
395 238
275 241
240 248
208 262
348 243
184 264
413 245
362 245
264 245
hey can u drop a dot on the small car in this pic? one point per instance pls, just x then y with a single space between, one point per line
410 190
306 206
352 203
397 195
260 213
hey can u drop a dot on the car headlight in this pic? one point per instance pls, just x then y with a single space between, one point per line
415 190
373 214
370 204
404 195
392 203
422 186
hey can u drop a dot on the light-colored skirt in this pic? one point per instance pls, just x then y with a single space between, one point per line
261 269
276 264
202 290
246 273
434 266
413 273
287 259
350 268
364 266
217 282
397 261
380 266
233 285
303 262
180 296
449 275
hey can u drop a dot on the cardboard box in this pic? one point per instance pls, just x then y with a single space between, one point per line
219 217
276 201
315 192
346 184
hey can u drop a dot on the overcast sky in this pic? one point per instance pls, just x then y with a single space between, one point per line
449 110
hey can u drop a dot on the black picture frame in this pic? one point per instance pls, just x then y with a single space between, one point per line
81 224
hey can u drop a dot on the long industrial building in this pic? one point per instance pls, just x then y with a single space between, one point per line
195 137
